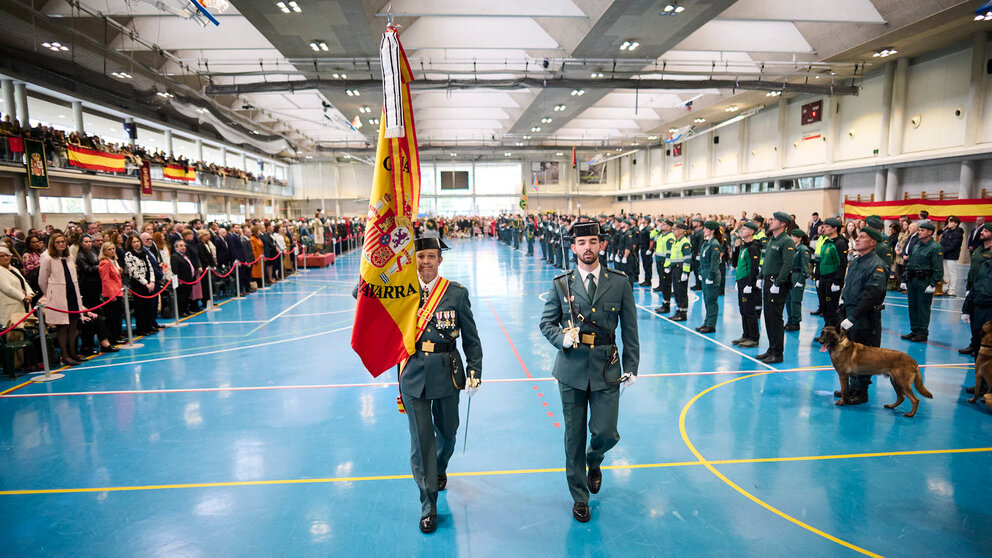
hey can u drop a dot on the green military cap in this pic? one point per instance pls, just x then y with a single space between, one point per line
876 235
711 225
782 216
630 222
697 219
987 226
875 222
929 225
833 222
669 222
798 233
752 225
680 224
759 219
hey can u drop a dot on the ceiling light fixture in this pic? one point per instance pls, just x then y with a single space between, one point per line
519 143
535 128
773 94
984 12
55 46
629 46
507 154
884 53
318 46
295 7
732 108
374 121
652 137
559 108
453 154
364 109
578 92
526 137
699 120
352 92
559 154
283 7
546 120
165 94
673 9
122 75
672 130
596 75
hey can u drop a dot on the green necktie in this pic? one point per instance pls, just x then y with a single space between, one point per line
591 287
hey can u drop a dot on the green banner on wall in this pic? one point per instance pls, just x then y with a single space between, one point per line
34 160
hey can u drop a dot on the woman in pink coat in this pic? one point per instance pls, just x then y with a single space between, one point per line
57 279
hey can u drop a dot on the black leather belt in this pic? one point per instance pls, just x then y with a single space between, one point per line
429 347
593 340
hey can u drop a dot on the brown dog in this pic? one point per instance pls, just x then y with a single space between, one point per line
983 366
854 359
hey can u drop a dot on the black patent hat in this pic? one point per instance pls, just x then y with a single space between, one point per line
585 228
430 243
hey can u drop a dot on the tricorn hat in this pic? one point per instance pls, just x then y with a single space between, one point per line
430 243
584 228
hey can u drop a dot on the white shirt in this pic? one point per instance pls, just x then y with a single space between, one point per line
427 287
584 275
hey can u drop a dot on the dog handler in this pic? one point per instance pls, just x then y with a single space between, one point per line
861 305
776 272
580 319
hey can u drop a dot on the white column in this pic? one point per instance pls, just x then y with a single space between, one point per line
710 155
976 93
244 161
168 142
21 92
201 206
966 181
35 208
23 218
743 149
879 185
886 122
175 202
223 156
7 91
896 127
137 206
199 149
88 201
77 116
783 124
892 185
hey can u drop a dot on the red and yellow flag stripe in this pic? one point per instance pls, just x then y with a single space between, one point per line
91 159
966 210
179 172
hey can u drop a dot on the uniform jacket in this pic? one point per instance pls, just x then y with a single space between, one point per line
927 256
582 367
778 255
709 260
800 264
864 289
428 375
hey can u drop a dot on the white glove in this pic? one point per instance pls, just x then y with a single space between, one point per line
902 286
472 385
840 301
647 252
616 258
668 271
696 258
601 252
685 277
966 293
708 282
628 380
569 340
966 319
817 283
747 289
759 283
624 260
846 324
834 288
773 289
799 285
930 289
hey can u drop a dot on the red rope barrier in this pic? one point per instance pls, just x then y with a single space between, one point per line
273 258
84 310
19 322
153 295
195 281
229 272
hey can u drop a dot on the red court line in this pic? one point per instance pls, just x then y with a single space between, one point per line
510 341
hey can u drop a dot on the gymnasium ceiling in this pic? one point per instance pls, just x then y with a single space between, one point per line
491 73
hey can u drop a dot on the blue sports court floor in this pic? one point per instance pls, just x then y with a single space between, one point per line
254 431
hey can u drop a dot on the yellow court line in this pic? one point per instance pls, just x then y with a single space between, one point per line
735 486
492 473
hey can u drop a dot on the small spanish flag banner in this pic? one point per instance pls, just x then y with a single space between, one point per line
179 172
145 177
385 328
91 159
966 210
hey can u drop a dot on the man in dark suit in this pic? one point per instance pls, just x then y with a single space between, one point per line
237 252
224 258
975 239
153 255
183 267
814 227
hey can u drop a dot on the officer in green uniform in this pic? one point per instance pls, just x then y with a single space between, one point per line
800 273
429 383
696 241
748 274
515 231
924 270
583 310
861 306
883 250
628 252
529 235
709 271
644 242
981 254
830 271
679 267
776 274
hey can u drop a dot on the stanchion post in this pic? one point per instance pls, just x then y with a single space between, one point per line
175 303
237 280
210 289
261 260
47 375
296 263
127 320
304 258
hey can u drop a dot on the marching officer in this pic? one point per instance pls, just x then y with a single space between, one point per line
981 254
776 272
861 306
679 267
923 272
430 381
709 270
583 310
797 288
748 275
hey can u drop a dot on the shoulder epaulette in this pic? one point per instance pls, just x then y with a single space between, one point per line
618 272
567 273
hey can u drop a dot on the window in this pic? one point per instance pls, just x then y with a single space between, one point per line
499 179
732 189
454 180
8 204
809 183
61 205
156 206
188 208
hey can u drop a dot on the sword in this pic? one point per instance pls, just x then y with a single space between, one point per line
468 411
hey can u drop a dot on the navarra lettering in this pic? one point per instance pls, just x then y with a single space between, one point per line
386 291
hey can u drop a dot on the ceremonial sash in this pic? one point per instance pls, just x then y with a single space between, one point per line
424 315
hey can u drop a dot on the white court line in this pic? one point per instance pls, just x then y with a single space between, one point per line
280 314
710 339
888 303
955 366
225 323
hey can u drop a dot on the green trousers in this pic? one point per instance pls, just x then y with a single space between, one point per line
433 428
602 409
919 306
794 304
711 301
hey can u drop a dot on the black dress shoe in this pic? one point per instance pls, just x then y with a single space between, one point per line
772 359
595 479
966 351
856 398
970 390
918 338
791 327
109 349
761 356
428 524
644 284
580 511
696 288
442 481
656 290
678 317
737 341
664 309
706 329
748 344
817 313
907 336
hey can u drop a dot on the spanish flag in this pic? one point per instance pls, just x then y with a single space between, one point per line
385 326
179 172
967 210
91 159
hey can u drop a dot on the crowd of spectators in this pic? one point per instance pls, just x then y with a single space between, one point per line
94 265
56 140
